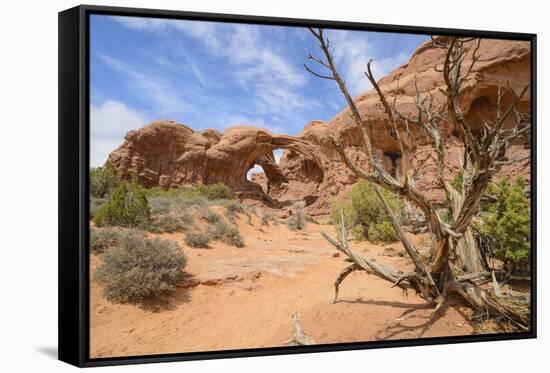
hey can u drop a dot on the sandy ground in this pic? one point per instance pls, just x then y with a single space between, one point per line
246 297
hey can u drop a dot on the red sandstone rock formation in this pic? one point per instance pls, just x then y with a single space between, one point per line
169 154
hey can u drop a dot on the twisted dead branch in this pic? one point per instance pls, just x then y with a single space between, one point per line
299 339
456 259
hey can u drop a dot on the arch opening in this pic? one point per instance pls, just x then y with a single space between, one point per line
265 171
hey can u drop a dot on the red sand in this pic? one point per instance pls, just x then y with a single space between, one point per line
247 296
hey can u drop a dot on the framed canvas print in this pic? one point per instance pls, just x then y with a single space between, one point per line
234 186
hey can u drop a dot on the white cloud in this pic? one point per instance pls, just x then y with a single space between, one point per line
141 23
225 121
259 61
275 83
165 97
206 31
109 123
241 44
352 51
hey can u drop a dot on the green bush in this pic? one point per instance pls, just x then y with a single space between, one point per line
446 215
297 220
139 269
127 207
197 239
507 222
103 180
95 204
458 181
214 191
382 231
363 208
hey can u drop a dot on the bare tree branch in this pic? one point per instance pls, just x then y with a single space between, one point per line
300 338
455 258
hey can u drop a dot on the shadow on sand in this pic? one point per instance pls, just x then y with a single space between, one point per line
417 318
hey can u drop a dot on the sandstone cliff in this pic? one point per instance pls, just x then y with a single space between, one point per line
169 154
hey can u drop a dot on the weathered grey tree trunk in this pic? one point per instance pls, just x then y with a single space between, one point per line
456 259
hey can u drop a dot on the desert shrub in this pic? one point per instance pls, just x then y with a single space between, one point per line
217 229
220 230
224 202
210 216
95 204
233 237
458 181
197 239
186 218
127 207
382 231
139 268
446 215
267 217
160 205
250 210
214 191
297 220
103 180
311 219
507 223
233 208
164 223
338 206
165 204
210 192
183 203
363 208
102 239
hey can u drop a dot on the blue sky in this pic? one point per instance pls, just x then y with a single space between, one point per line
215 75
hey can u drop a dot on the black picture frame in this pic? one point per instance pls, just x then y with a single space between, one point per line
74 197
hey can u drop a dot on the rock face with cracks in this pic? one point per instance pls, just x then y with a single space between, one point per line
168 154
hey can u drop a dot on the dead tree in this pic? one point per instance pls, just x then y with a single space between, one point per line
455 259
